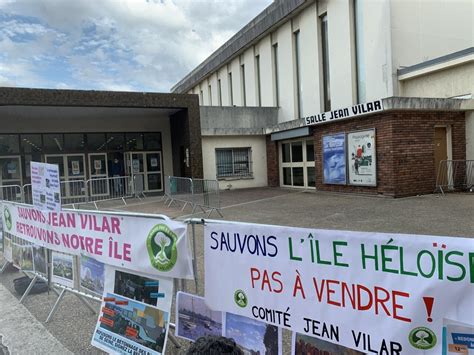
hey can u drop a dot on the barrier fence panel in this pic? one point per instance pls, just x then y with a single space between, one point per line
11 193
455 175
28 194
73 192
180 189
112 188
206 195
138 185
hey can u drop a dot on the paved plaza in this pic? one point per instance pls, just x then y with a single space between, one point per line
23 327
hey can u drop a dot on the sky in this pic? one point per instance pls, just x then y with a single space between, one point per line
118 45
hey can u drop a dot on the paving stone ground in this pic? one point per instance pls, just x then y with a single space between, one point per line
71 329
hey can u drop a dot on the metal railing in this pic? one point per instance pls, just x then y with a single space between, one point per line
11 193
455 175
199 193
108 189
180 189
206 195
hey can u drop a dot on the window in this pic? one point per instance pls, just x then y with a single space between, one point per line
209 90
53 142
231 91
275 74
360 49
31 143
325 54
9 143
219 92
257 74
201 97
299 89
134 141
242 78
74 142
234 162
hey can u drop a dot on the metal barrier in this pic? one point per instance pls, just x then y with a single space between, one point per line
455 175
107 189
180 189
199 193
206 195
11 193
138 185
28 194
73 192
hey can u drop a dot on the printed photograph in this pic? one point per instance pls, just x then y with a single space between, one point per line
135 321
137 287
63 269
334 159
16 255
194 318
252 336
26 260
304 344
92 275
39 259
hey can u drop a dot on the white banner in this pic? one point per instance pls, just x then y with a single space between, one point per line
374 292
45 186
148 245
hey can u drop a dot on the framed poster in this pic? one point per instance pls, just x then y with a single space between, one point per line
63 269
362 158
334 159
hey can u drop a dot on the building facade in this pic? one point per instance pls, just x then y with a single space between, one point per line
307 57
97 135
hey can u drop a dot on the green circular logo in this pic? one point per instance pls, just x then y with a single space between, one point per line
8 218
422 338
240 298
162 249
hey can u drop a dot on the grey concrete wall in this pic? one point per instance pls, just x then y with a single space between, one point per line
229 120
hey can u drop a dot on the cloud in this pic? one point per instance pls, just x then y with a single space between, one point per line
135 45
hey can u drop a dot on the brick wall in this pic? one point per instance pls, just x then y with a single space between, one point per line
273 171
404 150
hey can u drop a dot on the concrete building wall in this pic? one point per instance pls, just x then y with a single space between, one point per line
259 159
310 63
286 78
457 80
470 135
423 30
267 79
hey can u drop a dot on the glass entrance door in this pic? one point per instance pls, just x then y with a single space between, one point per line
146 170
297 167
98 172
72 173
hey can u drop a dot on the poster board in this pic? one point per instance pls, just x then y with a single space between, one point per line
45 185
342 286
362 158
135 314
334 159
39 260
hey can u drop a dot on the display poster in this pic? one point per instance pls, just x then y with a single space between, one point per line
98 165
45 186
253 336
458 338
26 259
334 159
154 162
76 168
12 168
39 259
362 158
7 249
92 275
16 255
150 245
342 287
135 314
195 319
304 344
135 166
63 269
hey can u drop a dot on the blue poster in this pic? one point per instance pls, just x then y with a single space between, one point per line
334 159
